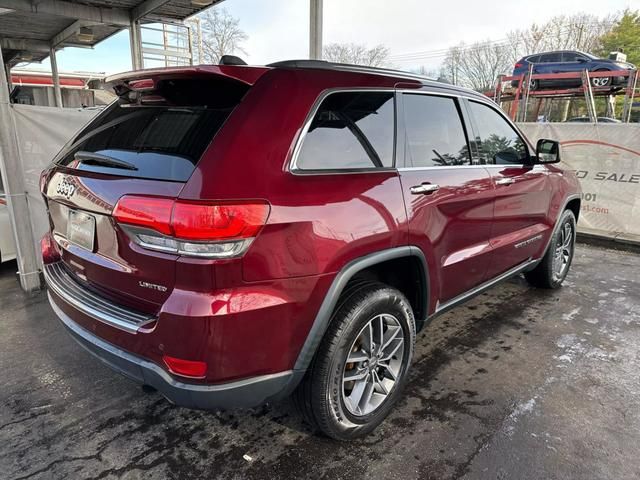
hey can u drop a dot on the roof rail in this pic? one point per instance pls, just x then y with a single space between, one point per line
323 64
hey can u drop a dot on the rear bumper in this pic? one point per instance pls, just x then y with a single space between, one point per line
243 393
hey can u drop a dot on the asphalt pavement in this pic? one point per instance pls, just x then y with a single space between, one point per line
517 384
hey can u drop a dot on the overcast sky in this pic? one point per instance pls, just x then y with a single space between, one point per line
278 29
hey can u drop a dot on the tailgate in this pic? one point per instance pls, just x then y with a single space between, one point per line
147 143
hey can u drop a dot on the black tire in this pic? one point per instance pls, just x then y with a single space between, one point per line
320 396
547 273
534 85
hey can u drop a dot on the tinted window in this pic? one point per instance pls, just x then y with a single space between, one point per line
434 135
350 130
572 57
498 143
534 59
162 141
551 57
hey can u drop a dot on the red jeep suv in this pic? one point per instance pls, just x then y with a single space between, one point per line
232 234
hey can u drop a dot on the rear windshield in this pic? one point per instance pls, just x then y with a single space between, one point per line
163 141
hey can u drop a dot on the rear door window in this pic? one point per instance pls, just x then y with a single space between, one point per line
552 57
434 133
570 56
350 130
162 141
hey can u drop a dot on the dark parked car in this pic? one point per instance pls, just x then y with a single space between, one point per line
229 235
570 61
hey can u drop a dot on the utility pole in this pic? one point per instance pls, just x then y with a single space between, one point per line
315 30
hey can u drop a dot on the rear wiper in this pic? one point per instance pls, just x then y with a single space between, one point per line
91 158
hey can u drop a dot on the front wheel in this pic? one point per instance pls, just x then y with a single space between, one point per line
554 266
361 365
601 81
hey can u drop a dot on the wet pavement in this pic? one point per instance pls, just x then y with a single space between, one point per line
519 383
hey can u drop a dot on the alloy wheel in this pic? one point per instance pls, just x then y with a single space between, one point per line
600 81
373 365
563 251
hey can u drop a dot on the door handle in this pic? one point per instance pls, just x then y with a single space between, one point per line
425 188
505 181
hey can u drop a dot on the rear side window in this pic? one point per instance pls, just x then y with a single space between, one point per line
534 59
499 143
161 141
572 57
350 130
551 57
434 135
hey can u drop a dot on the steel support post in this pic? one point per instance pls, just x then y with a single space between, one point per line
57 93
315 30
16 196
588 96
136 45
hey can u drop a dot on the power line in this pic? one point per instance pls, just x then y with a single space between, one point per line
429 54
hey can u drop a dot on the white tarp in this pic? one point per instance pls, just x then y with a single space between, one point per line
42 132
606 159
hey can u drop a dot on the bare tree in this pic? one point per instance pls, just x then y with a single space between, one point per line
476 66
563 32
221 34
356 54
450 68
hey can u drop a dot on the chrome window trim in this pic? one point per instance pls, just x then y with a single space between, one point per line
293 163
465 128
292 166
439 167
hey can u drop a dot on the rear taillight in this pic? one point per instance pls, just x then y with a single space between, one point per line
518 65
199 229
50 253
148 212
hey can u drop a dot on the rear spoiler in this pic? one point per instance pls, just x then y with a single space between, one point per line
242 74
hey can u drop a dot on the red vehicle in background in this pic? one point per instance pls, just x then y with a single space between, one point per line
232 234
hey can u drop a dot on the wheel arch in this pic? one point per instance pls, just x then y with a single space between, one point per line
571 202
347 273
573 205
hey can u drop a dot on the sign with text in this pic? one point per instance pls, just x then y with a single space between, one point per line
606 159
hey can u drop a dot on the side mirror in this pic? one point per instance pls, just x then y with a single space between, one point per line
548 151
582 60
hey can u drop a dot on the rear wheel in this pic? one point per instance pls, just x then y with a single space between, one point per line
552 270
361 365
534 84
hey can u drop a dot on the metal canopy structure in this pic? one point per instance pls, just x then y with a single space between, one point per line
29 29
